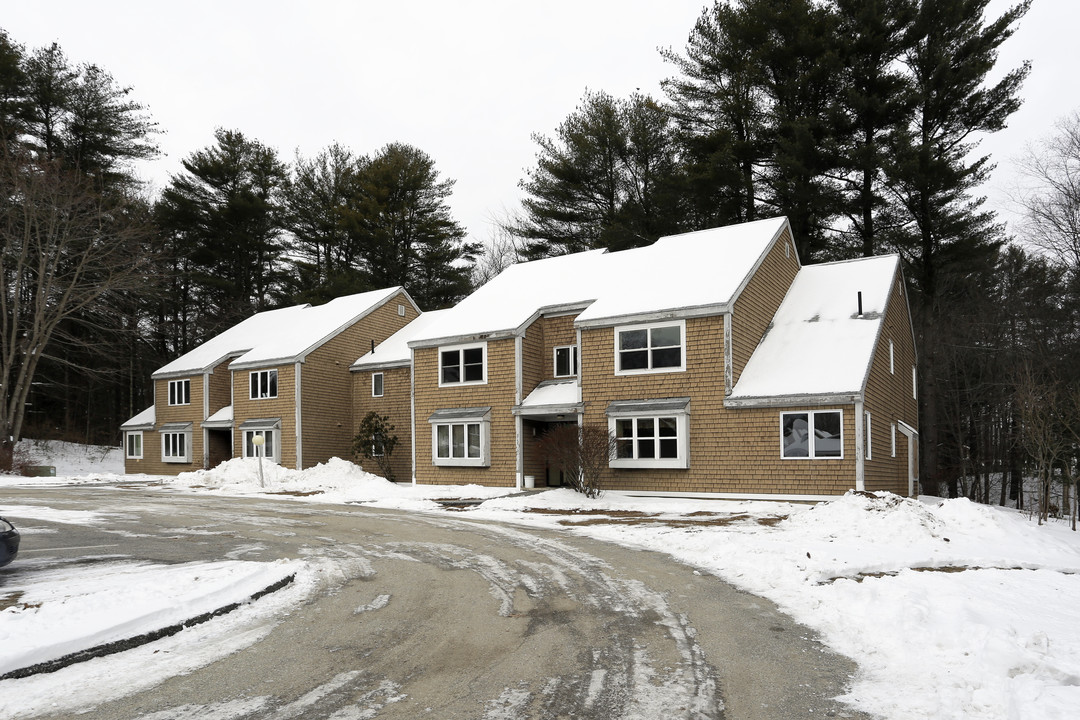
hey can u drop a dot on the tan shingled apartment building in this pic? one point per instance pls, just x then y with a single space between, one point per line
718 362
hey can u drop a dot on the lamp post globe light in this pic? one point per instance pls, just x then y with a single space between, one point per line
258 441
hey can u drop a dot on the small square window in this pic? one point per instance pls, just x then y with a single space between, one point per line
180 392
461 365
376 384
263 384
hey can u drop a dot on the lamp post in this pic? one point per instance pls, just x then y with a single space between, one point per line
258 441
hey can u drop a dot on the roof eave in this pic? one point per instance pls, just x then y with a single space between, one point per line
693 311
792 400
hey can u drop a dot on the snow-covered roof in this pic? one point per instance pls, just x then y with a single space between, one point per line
702 270
394 350
818 344
276 336
222 418
142 421
553 392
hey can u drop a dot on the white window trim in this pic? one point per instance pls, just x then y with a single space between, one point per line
186 458
460 350
682 430
914 383
277 377
573 361
650 326
382 384
127 448
893 435
869 439
810 446
186 384
275 456
485 442
892 358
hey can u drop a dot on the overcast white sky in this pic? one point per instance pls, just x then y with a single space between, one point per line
466 81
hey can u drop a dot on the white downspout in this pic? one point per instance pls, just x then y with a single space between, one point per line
519 426
860 450
297 401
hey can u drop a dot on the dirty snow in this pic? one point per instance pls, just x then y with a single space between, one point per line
951 609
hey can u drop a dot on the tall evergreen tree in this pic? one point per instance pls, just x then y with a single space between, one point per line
950 238
224 218
877 102
606 180
328 260
719 105
398 218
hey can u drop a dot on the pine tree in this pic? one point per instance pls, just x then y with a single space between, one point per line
398 219
225 221
606 180
950 239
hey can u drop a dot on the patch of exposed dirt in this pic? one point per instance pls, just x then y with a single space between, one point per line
297 493
14 600
685 522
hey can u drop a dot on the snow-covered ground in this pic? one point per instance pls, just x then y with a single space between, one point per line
950 609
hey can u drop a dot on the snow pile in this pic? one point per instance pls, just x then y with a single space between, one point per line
335 481
66 610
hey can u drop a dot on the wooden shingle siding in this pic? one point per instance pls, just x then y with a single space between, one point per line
731 450
193 413
326 384
532 357
889 397
220 390
283 406
498 393
759 300
394 404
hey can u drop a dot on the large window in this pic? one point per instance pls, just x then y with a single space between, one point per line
812 434
263 384
176 447
566 363
650 433
134 445
268 449
462 364
650 348
180 392
460 437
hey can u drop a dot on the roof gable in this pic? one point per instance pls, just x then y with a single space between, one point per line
277 336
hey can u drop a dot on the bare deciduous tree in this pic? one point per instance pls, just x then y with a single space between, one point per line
66 250
581 452
1050 196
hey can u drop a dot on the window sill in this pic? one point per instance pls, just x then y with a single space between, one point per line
627 464
460 462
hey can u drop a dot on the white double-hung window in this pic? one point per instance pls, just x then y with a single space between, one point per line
461 436
566 362
650 433
463 365
655 347
133 442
